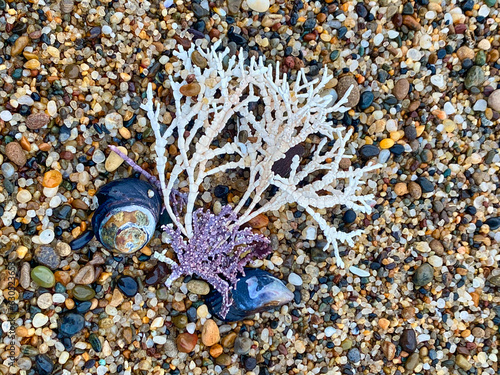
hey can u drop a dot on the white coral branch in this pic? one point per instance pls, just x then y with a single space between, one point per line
293 113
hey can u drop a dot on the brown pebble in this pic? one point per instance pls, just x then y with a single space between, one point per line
79 204
198 60
223 360
186 342
465 52
321 17
310 36
437 247
401 189
259 221
37 120
408 312
210 334
401 89
389 350
228 340
411 22
342 87
19 45
397 20
45 146
191 89
128 335
85 276
15 153
415 190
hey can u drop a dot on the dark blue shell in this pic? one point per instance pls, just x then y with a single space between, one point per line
255 292
128 212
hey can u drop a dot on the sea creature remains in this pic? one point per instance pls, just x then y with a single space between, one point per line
225 91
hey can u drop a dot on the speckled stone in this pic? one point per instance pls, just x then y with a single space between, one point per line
342 87
423 275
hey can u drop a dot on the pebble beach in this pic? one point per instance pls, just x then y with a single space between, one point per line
420 290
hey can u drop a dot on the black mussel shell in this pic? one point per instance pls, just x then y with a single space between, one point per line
255 292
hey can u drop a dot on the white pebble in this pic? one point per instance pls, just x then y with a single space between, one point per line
58 298
423 337
379 38
26 100
295 279
52 108
191 327
258 5
39 320
392 34
480 105
438 81
384 156
5 115
47 236
8 170
329 331
448 108
160 339
435 261
311 233
106 30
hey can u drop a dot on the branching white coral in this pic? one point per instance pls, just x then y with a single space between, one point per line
293 113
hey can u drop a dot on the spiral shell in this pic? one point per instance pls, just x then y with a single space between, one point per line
128 212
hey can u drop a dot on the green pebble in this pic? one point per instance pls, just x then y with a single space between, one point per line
346 344
17 73
490 3
83 293
43 276
180 321
412 362
95 342
334 55
480 58
474 78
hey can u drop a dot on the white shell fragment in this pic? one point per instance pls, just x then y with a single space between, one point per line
358 271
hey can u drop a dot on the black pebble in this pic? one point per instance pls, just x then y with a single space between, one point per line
44 364
369 151
250 363
366 99
425 184
127 286
493 223
471 210
221 191
81 241
71 324
349 216
408 340
397 149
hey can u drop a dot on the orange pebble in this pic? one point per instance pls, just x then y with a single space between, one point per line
216 350
386 143
25 144
383 323
52 179
45 147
